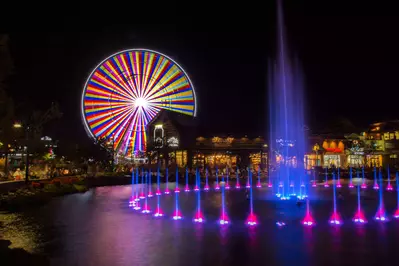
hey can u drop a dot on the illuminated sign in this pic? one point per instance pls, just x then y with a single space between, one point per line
173 142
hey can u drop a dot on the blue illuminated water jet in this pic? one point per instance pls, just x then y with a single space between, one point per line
350 178
167 182
396 214
187 188
217 179
364 185
237 180
132 198
287 119
199 217
206 188
177 189
380 215
359 217
335 217
251 220
142 195
158 192
224 219
389 186
146 208
150 195
326 179
375 186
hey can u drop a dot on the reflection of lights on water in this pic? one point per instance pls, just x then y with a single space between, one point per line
280 224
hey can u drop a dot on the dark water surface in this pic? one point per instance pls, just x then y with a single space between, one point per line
98 228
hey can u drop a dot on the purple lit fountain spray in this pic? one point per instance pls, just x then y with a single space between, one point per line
146 208
359 217
396 214
177 189
251 220
364 184
196 187
227 184
132 198
199 217
350 178
177 214
142 195
380 215
287 119
158 211
389 186
206 188
217 179
167 192
339 179
335 217
187 188
150 195
326 180
224 219
237 180
258 184
375 186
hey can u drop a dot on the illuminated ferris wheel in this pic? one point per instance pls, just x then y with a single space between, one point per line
127 90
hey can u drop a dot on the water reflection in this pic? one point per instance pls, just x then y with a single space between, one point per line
98 228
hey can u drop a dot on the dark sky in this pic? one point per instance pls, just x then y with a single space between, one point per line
349 61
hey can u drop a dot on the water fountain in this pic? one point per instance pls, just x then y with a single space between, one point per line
199 217
359 215
326 180
338 179
158 192
375 186
396 214
196 187
217 179
227 179
308 220
177 189
142 195
146 208
350 178
187 188
380 215
251 220
206 188
335 217
364 185
237 180
224 219
389 186
150 195
258 184
167 192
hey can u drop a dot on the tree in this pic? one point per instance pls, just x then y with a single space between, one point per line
108 145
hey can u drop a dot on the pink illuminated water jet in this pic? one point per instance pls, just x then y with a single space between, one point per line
177 215
252 220
146 209
380 215
199 218
389 187
396 214
359 217
335 219
308 220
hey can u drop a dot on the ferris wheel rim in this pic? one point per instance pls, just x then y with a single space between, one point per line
83 116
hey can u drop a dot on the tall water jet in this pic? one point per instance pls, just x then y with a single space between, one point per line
251 220
227 179
146 208
142 195
158 211
158 192
335 217
380 215
350 178
224 219
132 197
196 187
389 186
206 188
308 220
177 189
258 184
359 215
286 107
314 178
167 192
217 179
326 178
199 217
375 186
396 214
237 180
364 184
339 179
150 195
177 214
137 198
187 188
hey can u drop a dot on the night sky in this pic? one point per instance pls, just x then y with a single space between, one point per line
349 60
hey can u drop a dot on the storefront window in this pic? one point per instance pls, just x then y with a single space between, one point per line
355 160
312 160
181 158
332 160
374 160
